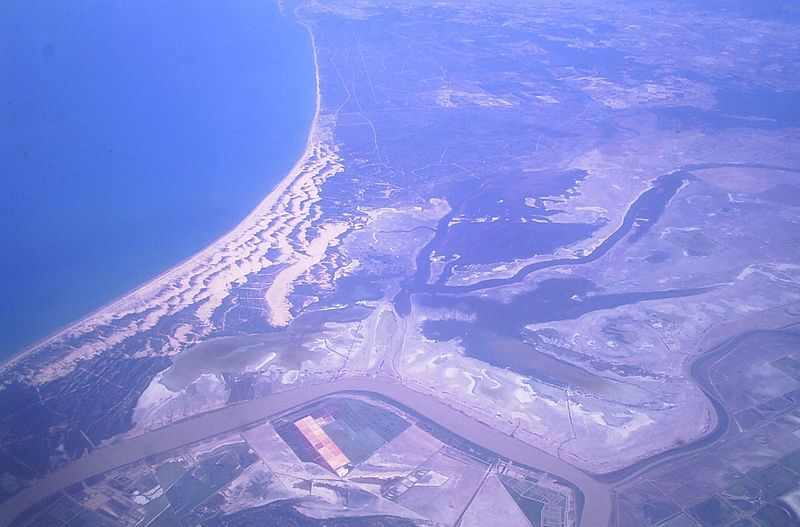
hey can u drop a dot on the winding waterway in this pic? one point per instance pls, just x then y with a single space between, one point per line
596 502
642 213
596 488
700 370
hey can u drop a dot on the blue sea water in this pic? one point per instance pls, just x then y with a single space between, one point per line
132 134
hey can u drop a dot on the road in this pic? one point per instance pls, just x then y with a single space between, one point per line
597 506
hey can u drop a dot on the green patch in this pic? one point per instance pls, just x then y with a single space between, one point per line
145 483
521 491
774 516
788 365
793 396
214 471
681 520
776 480
296 440
745 495
218 470
168 518
363 416
89 518
655 511
775 406
712 512
532 509
154 508
44 520
358 428
357 445
64 509
168 473
748 419
792 461
187 493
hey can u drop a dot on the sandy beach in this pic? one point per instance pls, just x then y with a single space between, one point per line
203 280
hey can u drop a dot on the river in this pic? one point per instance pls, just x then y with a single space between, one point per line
596 489
597 497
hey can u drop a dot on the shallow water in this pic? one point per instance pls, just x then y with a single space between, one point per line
134 134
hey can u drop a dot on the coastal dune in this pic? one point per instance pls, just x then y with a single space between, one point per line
279 225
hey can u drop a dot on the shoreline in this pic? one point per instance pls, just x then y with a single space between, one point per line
174 272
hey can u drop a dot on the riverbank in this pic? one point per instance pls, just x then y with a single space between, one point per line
597 497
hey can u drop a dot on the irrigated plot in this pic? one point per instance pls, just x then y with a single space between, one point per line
274 451
339 433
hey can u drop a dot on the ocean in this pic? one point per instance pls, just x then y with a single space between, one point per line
133 135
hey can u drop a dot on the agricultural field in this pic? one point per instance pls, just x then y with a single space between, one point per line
402 470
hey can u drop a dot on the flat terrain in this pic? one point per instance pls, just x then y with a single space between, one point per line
597 505
533 223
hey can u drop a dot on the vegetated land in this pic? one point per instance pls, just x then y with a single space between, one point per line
539 215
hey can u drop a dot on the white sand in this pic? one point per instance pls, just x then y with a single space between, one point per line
203 281
277 296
